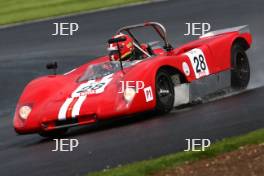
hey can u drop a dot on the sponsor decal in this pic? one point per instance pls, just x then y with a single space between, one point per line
148 94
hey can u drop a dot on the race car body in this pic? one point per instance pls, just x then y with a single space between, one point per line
166 77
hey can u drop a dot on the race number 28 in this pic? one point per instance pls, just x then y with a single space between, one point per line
198 61
200 64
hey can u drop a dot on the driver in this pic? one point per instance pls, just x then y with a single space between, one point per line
127 49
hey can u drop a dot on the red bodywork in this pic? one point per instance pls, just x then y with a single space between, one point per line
46 95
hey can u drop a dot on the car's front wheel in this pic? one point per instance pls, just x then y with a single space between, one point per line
164 92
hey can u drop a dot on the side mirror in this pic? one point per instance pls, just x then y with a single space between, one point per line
116 40
52 65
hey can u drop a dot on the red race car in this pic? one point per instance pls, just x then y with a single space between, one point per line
158 78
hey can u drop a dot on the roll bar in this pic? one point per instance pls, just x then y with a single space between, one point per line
159 28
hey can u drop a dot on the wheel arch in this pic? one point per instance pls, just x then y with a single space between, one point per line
241 42
173 71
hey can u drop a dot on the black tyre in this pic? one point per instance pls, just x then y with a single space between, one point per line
164 92
54 134
240 72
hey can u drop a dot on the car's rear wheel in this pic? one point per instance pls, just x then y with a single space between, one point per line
54 133
240 72
164 92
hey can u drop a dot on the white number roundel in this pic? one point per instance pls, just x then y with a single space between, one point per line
198 61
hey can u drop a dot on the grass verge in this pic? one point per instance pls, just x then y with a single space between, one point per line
13 11
148 167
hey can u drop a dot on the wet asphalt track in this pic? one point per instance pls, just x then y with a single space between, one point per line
25 50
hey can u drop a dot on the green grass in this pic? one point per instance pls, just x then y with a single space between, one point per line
149 167
13 11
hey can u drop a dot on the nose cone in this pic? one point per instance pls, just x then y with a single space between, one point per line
99 97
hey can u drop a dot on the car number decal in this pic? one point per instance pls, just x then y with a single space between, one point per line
198 61
72 105
92 87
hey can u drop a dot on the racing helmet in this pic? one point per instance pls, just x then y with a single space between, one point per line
126 48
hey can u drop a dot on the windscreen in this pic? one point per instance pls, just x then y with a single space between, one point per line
103 69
